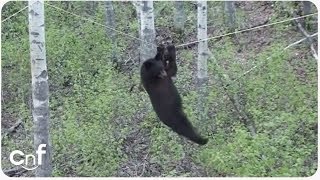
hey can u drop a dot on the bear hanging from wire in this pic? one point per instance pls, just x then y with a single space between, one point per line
156 76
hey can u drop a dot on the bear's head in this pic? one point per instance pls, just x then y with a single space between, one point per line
153 69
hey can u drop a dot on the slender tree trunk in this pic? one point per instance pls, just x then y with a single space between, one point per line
202 74
203 45
148 34
40 88
110 22
91 7
137 5
230 19
179 17
306 7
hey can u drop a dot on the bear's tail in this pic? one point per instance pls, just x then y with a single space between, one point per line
185 128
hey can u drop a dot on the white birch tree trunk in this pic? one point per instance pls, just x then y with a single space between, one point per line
203 45
230 12
137 5
203 53
148 34
179 17
110 22
40 88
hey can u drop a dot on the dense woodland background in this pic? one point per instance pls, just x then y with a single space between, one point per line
260 123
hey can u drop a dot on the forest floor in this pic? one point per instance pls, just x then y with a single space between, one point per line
135 145
251 42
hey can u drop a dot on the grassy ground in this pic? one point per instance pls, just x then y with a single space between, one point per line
101 126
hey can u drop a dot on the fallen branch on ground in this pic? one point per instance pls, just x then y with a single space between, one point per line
12 129
301 40
14 171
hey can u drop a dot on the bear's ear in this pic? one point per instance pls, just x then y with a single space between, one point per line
147 64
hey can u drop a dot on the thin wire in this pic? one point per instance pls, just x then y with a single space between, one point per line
254 67
185 44
297 42
193 42
120 32
236 32
14 14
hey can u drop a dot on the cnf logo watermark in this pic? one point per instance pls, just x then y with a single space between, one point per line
25 162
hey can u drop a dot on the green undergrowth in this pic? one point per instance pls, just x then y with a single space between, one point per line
94 107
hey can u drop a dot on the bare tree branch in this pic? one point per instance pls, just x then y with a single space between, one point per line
301 40
305 33
314 52
14 171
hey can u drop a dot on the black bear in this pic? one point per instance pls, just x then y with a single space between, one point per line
165 99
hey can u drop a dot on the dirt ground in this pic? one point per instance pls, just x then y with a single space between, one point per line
255 42
136 143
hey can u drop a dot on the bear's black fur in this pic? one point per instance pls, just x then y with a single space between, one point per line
169 60
165 99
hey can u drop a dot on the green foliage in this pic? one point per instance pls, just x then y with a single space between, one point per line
284 111
89 125
92 111
86 94
165 149
18 26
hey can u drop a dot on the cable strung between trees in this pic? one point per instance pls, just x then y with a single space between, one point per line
185 44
